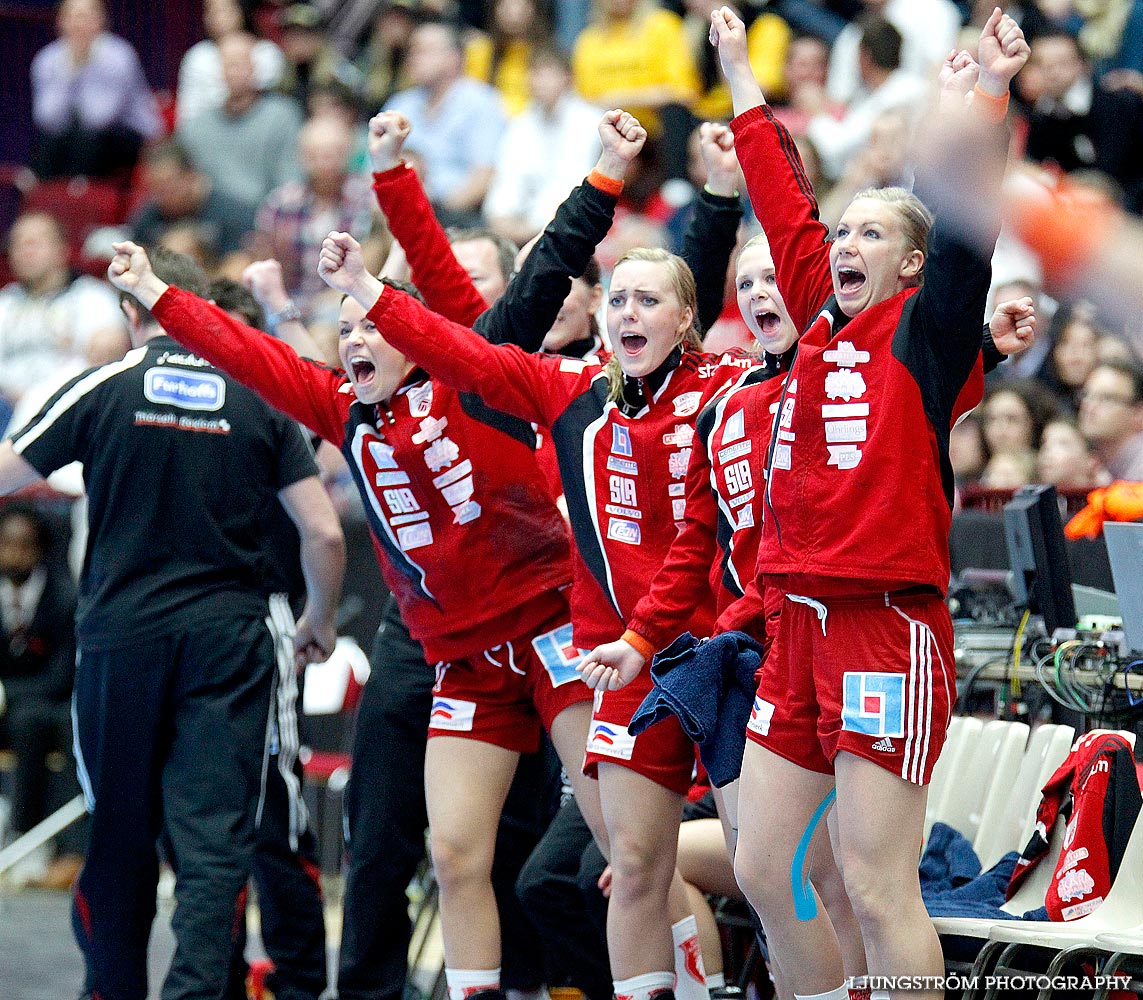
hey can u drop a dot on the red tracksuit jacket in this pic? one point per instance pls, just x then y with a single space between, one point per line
469 541
624 477
859 484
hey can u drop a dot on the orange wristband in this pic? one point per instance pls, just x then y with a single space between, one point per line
641 645
994 109
608 185
1065 230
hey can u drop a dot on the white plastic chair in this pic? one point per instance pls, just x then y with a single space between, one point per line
1121 911
1009 813
962 733
991 763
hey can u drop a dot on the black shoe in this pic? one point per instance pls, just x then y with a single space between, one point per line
727 993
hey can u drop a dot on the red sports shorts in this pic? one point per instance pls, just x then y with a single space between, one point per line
503 695
662 753
873 676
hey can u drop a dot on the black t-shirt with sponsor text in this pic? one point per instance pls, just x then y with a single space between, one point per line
181 464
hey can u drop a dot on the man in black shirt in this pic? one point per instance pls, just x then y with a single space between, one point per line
177 642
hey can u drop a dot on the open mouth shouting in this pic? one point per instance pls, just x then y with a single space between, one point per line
633 344
849 279
769 322
363 370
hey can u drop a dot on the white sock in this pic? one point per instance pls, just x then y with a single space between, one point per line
715 980
464 982
690 979
841 993
540 993
642 987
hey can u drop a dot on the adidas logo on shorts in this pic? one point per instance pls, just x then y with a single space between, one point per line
885 745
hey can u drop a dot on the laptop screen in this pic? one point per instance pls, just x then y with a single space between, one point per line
1125 551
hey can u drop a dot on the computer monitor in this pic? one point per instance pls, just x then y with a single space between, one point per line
1125 547
1036 553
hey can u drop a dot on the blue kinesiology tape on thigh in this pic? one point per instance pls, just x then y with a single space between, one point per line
805 907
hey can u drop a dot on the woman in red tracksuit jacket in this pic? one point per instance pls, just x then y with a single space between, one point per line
472 548
622 435
860 680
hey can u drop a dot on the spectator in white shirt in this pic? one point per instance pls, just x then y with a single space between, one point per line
457 123
201 84
928 31
885 85
53 323
546 151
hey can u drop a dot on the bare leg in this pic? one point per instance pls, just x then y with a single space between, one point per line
879 861
828 880
642 820
768 838
466 782
569 736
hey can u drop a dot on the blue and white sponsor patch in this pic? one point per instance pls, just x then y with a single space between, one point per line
760 715
624 531
186 390
609 739
452 713
559 654
620 440
873 704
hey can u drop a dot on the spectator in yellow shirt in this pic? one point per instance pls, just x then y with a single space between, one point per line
636 56
517 29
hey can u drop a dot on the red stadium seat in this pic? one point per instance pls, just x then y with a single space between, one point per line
80 205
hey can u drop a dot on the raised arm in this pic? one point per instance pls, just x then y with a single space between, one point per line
780 192
283 318
526 311
950 305
438 276
529 386
713 229
306 390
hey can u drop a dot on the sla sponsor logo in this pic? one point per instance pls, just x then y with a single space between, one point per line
452 713
620 530
186 390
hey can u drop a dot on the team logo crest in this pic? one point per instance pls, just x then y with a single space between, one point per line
873 704
844 384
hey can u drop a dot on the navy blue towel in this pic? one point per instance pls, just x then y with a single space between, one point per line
709 685
953 885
